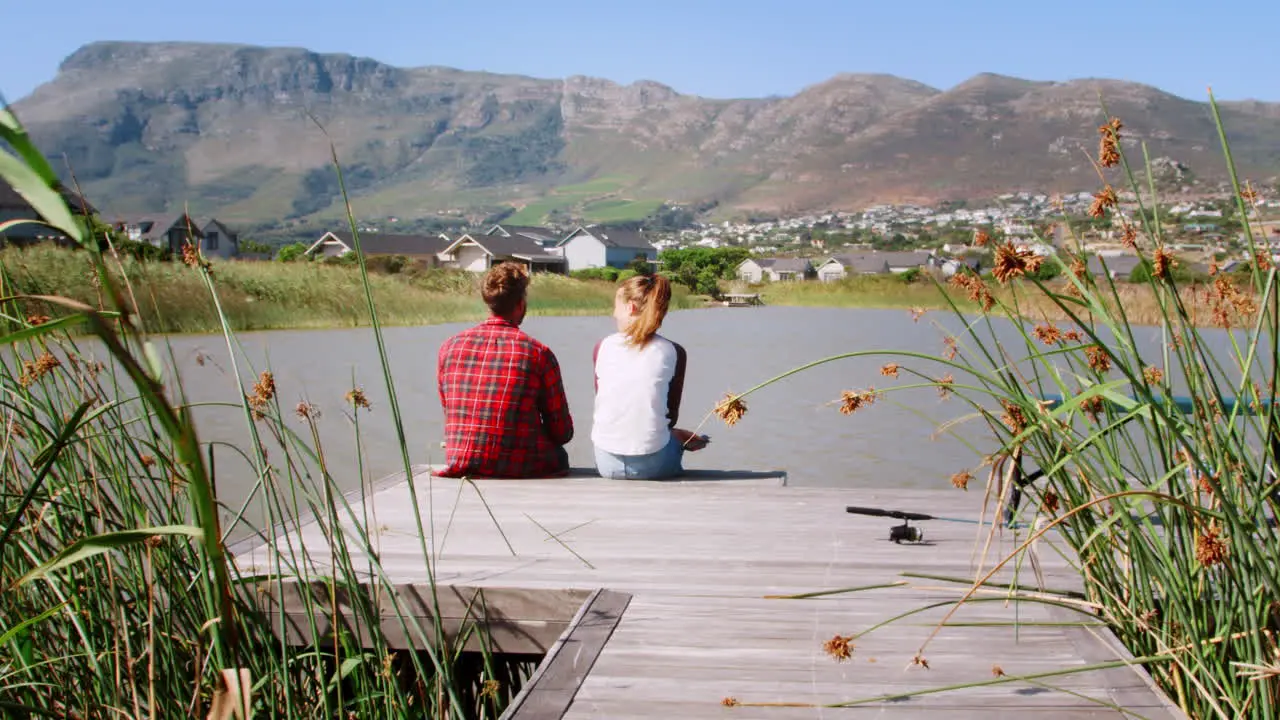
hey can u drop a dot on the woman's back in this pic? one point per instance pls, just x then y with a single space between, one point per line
637 394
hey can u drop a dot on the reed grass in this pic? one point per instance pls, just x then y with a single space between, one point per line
1143 306
274 295
1161 465
118 596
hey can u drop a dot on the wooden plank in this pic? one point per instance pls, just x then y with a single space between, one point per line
551 690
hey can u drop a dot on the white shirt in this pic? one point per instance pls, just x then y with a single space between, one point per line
633 389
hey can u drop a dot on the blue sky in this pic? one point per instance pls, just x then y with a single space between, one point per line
717 48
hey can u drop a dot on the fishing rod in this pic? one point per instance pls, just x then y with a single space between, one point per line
906 532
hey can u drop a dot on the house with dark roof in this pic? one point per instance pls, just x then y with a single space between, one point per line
219 240
170 231
546 237
14 207
478 253
1118 267
427 249
754 270
839 267
597 246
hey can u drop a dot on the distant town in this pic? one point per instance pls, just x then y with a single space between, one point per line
817 245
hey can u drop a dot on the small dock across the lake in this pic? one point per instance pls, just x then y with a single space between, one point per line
660 599
742 299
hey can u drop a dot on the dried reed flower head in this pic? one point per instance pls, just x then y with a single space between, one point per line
978 290
1108 143
44 364
730 702
981 238
961 480
731 409
1099 360
358 400
146 460
920 661
1103 200
263 391
1214 269
839 647
1049 502
945 386
1128 235
950 347
889 370
851 401
307 411
1011 262
1211 549
201 358
997 671
1048 333
1013 417
37 319
1092 406
1152 374
1247 193
1162 261
154 541
1072 336
917 313
490 689
265 388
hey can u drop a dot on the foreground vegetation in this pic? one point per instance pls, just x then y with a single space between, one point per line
272 295
1157 467
119 597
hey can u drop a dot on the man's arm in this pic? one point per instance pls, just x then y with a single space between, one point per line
552 403
440 356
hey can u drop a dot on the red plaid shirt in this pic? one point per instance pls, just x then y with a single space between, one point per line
505 412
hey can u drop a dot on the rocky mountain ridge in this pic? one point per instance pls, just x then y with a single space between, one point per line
236 130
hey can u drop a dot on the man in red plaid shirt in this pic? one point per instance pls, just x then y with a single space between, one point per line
505 412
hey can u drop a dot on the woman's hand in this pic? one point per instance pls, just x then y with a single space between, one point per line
689 440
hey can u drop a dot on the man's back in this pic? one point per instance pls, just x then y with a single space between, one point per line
504 405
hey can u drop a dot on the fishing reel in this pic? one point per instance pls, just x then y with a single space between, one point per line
905 533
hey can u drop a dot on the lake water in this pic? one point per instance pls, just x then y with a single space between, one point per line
793 425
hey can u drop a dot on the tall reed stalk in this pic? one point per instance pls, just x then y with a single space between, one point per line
118 597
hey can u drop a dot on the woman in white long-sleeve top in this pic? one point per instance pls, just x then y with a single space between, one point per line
639 378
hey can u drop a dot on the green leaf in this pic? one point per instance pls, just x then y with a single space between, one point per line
43 198
12 132
98 544
11 632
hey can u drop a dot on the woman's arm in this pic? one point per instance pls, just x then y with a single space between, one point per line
676 389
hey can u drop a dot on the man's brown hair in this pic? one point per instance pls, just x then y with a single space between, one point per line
505 285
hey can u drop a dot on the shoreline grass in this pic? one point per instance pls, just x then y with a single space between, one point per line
279 296
1143 305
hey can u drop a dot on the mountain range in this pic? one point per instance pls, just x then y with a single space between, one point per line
237 131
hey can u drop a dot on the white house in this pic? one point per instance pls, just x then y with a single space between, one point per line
424 248
478 253
754 270
596 246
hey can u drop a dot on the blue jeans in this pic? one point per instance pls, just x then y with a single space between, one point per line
665 463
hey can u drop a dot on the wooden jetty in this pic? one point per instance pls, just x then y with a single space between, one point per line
742 299
659 599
